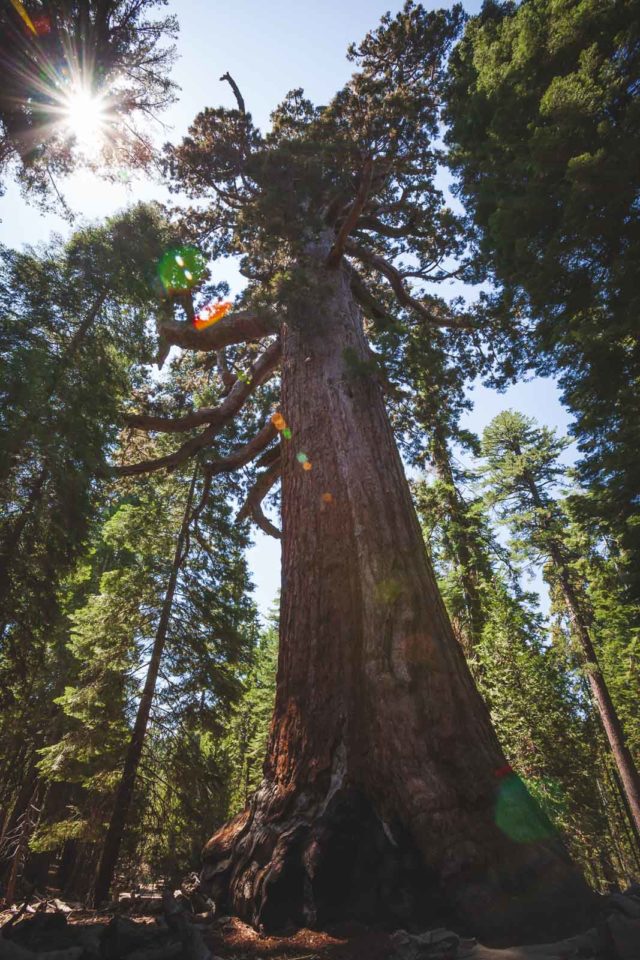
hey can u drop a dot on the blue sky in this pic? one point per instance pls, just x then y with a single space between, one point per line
269 48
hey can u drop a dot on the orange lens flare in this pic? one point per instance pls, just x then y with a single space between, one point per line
279 421
211 314
20 10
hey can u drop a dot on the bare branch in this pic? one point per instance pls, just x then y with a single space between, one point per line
244 454
261 371
373 223
353 214
269 457
219 417
401 292
172 460
228 379
253 504
236 91
370 304
234 328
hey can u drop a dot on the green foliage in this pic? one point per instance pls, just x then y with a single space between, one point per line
544 136
249 729
208 647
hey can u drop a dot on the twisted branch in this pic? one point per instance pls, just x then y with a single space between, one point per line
234 328
261 371
395 279
253 504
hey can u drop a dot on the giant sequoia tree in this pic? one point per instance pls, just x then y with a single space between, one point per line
383 770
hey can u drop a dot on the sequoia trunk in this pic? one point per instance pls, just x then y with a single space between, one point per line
383 775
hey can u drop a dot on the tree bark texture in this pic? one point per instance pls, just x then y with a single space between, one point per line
383 773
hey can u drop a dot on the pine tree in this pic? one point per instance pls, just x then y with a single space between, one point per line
170 611
73 350
249 729
377 719
537 713
521 471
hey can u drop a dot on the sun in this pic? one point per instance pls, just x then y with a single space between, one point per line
86 117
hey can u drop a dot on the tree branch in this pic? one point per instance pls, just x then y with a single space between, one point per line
261 371
373 223
401 292
353 215
253 504
228 379
370 304
234 328
244 454
219 417
236 92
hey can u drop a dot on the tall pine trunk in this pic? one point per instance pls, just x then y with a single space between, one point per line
383 772
607 712
624 762
124 794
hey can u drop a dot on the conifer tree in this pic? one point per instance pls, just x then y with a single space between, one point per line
521 470
73 343
158 649
543 135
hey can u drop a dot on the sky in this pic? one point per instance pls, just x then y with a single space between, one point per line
269 48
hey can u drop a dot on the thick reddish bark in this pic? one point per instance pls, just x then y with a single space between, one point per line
380 786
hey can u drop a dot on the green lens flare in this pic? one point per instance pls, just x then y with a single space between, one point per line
180 269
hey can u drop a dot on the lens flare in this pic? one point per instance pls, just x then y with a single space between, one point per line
85 116
211 314
180 269
20 10
516 812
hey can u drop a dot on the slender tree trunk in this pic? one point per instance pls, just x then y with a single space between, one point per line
124 793
13 535
383 773
610 721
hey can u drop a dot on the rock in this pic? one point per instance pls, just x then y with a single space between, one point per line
624 903
437 944
625 934
13 951
167 951
122 936
90 939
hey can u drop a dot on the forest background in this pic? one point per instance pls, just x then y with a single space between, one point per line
112 596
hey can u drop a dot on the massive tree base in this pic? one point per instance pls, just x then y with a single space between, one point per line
294 861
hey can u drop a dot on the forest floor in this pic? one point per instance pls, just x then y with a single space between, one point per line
48 929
